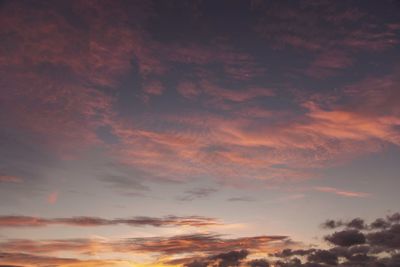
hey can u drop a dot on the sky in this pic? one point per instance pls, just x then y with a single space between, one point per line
153 133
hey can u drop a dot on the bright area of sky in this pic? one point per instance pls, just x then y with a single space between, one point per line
217 124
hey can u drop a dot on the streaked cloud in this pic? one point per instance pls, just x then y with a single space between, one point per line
27 221
339 192
182 245
10 179
196 193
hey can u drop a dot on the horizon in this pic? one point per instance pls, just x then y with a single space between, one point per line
199 133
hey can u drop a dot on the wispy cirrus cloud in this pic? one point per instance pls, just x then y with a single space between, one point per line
85 221
340 192
10 179
31 260
196 193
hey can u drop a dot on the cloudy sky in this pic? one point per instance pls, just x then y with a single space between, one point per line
149 133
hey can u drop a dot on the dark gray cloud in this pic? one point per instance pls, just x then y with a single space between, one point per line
356 223
196 193
231 258
387 239
346 238
258 263
323 256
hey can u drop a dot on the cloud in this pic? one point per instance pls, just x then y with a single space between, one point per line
130 186
346 238
348 247
27 221
31 260
341 192
325 26
182 246
352 247
64 94
328 63
196 193
324 257
9 179
232 258
52 197
244 199
258 263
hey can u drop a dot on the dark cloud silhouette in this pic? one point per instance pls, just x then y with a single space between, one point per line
331 224
387 239
232 258
258 263
356 223
379 223
323 256
358 245
346 238
289 252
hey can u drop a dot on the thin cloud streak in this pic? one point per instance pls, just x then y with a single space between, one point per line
84 221
339 192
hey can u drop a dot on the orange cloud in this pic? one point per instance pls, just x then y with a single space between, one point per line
174 246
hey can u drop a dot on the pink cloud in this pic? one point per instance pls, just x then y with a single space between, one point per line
328 63
10 179
52 198
339 192
188 89
153 87
331 27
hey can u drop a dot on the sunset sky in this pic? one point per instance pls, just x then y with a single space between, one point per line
151 133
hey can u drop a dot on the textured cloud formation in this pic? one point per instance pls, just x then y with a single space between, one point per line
76 78
132 95
26 221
